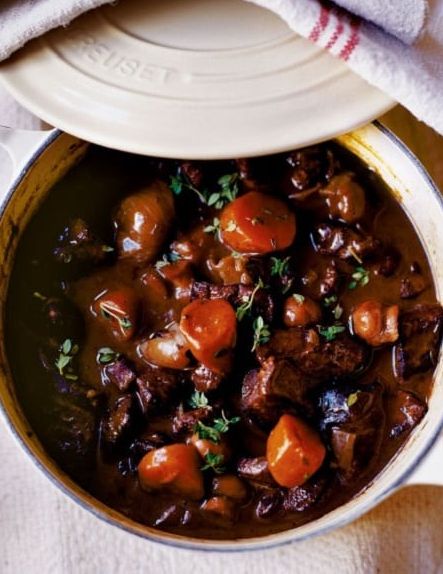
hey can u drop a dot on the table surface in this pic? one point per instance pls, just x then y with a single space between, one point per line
42 531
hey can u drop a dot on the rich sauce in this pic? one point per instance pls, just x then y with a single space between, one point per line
65 329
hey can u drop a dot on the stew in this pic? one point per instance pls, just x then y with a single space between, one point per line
222 349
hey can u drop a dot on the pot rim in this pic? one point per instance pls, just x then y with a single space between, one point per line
105 513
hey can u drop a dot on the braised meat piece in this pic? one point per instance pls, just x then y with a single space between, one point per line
269 503
387 262
300 498
156 389
205 380
412 285
315 356
72 434
277 383
420 334
312 166
407 411
344 242
194 172
330 280
237 294
120 373
255 470
353 418
78 242
185 421
118 420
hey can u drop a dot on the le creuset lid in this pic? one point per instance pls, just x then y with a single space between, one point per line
189 78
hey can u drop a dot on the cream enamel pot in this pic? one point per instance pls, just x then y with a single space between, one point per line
39 159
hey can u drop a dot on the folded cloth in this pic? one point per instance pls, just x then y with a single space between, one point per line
396 45
21 21
412 74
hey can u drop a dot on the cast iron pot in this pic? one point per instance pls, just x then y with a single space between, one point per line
38 159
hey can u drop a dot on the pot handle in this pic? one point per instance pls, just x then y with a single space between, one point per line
430 469
16 147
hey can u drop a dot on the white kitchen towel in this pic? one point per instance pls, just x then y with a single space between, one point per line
397 46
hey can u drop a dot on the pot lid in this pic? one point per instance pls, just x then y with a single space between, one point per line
189 78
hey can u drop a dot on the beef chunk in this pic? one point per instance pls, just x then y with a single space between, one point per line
71 434
78 242
300 498
205 380
138 448
118 420
185 421
236 294
420 333
313 355
156 388
120 374
406 411
387 262
255 470
265 391
341 357
288 343
412 285
353 419
193 172
269 503
312 166
330 280
344 242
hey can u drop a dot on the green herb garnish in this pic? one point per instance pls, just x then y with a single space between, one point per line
198 400
219 427
299 298
246 306
228 192
38 295
124 322
167 259
329 333
214 227
214 462
328 301
107 248
279 266
179 182
261 332
360 278
107 355
67 351
352 399
207 432
232 226
222 424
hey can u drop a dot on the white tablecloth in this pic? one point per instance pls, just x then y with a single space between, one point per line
43 532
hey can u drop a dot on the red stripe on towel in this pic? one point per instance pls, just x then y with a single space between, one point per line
320 25
336 34
352 42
